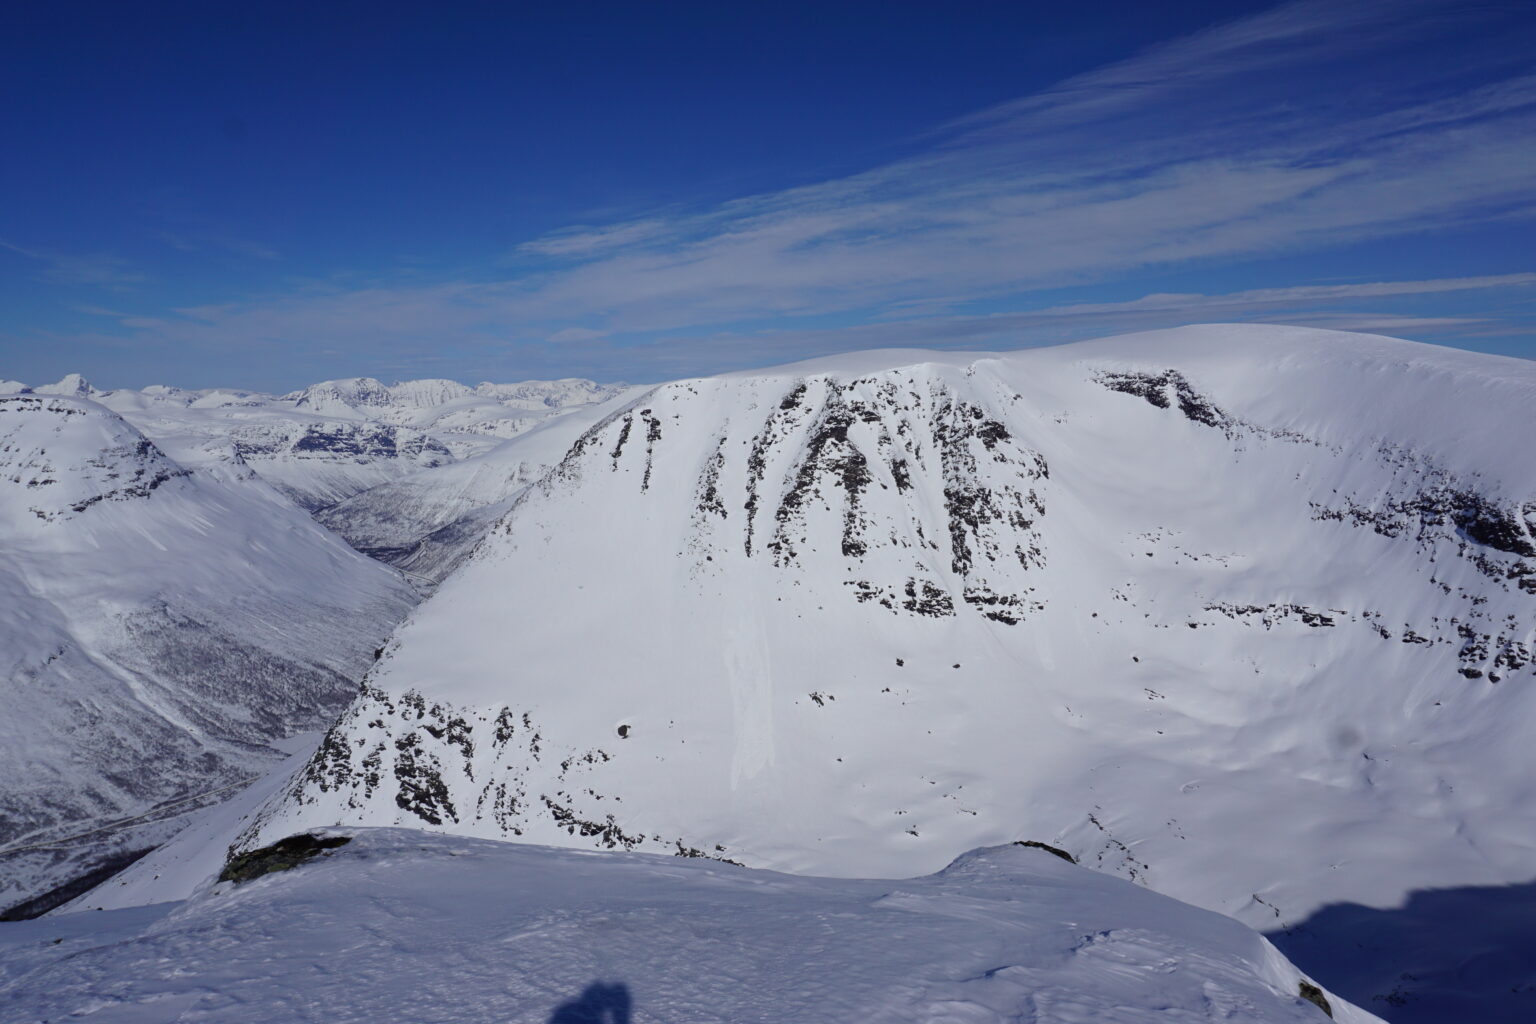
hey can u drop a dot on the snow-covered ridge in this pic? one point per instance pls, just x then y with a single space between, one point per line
1243 614
451 929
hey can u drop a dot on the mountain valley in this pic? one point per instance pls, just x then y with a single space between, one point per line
1242 615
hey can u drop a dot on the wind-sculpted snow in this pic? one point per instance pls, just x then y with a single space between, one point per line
1239 613
161 628
394 925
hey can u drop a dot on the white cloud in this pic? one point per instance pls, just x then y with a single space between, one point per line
198 241
66 268
403 326
575 334
1191 152
588 241
1260 298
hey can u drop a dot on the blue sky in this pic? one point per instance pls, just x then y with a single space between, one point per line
211 194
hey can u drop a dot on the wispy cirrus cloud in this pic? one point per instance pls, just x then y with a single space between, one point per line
1270 134
1197 150
97 269
1268 43
1307 305
1258 299
587 241
406 327
201 241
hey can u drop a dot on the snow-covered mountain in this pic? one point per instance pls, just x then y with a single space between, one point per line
72 385
332 440
163 628
395 925
1244 614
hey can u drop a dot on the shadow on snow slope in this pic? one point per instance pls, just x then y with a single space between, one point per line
599 1003
1459 954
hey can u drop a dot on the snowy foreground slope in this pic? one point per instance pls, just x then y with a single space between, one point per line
400 926
162 630
1241 613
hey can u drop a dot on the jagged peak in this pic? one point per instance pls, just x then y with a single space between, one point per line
69 384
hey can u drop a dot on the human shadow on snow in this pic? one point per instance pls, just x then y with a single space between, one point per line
598 1004
1465 954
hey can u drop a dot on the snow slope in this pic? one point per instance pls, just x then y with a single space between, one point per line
401 926
1241 613
161 627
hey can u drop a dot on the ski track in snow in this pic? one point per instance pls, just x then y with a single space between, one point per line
749 667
